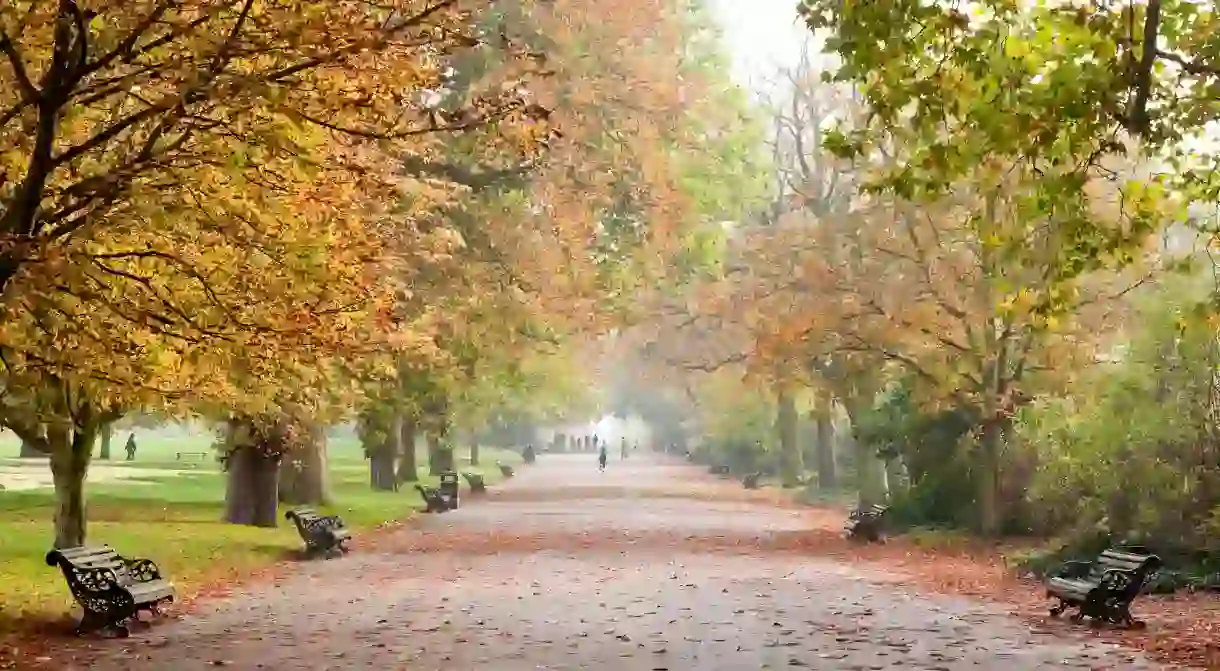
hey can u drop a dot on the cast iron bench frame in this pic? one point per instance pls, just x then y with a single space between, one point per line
506 470
1104 588
110 589
750 481
866 524
434 500
476 482
323 534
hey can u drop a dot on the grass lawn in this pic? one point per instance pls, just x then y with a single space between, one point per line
173 519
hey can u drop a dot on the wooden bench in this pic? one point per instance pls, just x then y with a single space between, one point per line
865 523
323 534
476 483
110 588
1102 589
718 469
450 489
506 470
197 456
751 481
435 502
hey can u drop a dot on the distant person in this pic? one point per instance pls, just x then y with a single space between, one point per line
601 458
623 450
131 447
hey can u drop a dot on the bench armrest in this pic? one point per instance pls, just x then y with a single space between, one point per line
94 580
1118 579
1071 569
143 570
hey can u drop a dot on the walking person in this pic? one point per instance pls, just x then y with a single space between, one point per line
601 458
623 450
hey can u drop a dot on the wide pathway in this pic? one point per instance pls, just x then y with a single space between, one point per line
568 568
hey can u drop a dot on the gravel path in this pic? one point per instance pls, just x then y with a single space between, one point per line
619 582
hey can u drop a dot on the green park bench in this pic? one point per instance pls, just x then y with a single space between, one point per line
506 470
866 523
111 589
191 456
476 482
323 534
1104 588
750 481
436 500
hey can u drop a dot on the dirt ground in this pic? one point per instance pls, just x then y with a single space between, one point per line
567 568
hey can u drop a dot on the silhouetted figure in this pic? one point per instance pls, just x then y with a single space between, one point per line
130 447
623 450
528 455
601 458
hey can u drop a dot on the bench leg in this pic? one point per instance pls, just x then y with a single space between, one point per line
109 623
1059 608
1121 616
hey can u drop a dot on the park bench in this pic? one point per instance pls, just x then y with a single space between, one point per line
718 469
323 534
1104 588
865 523
449 489
750 481
476 483
109 588
435 501
193 456
506 470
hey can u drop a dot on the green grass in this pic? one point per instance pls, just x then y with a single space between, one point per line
174 520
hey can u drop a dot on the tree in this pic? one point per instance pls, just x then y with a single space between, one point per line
198 200
103 108
1064 97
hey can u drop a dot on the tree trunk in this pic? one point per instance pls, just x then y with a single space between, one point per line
440 454
827 473
792 466
895 476
989 480
70 452
252 493
303 478
107 436
382 477
474 453
408 470
28 451
870 472
381 469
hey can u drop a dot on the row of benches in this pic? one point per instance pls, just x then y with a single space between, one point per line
113 590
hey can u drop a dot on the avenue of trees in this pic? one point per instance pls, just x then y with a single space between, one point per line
280 216
981 286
